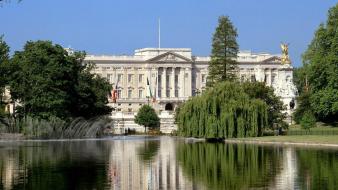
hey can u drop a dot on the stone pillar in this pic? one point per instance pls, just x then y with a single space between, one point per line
188 79
182 82
164 82
154 81
172 91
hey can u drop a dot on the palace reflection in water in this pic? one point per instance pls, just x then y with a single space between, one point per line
138 162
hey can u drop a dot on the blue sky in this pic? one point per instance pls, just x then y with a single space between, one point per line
120 26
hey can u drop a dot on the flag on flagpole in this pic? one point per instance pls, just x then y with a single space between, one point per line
149 94
114 94
154 97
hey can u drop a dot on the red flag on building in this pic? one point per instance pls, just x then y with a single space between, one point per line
114 94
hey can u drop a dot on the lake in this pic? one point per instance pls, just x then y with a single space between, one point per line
141 162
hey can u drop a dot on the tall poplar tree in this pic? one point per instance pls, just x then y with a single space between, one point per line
223 64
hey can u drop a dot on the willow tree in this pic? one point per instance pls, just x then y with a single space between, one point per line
224 111
223 64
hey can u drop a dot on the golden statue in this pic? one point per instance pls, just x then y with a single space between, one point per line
285 53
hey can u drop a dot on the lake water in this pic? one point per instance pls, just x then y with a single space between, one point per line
138 162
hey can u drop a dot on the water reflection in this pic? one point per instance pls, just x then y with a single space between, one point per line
318 169
163 163
146 164
229 166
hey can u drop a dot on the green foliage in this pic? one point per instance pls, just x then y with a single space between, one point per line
147 117
320 166
308 121
320 70
223 65
260 91
148 150
4 57
49 82
229 166
224 111
325 103
303 106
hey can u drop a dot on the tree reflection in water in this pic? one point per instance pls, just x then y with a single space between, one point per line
319 168
148 150
229 166
53 165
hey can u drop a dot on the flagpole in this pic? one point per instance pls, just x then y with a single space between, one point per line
159 33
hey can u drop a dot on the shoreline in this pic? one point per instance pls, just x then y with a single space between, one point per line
281 143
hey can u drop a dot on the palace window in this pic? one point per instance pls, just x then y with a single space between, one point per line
119 77
130 78
130 93
140 78
119 93
176 93
130 110
167 93
242 78
159 93
140 93
253 78
109 77
203 78
176 80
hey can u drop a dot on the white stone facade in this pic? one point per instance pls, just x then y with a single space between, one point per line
174 75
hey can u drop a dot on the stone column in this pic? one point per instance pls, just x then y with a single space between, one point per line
172 92
164 82
188 86
182 82
154 81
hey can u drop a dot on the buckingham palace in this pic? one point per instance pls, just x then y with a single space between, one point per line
166 77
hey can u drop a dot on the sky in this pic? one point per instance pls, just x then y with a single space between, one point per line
121 26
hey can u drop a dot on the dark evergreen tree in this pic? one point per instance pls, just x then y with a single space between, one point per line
223 64
4 57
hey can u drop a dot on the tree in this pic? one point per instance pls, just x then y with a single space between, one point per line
4 57
320 71
223 64
224 111
147 117
308 121
276 107
49 82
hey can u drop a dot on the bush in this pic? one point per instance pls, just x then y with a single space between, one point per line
308 121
